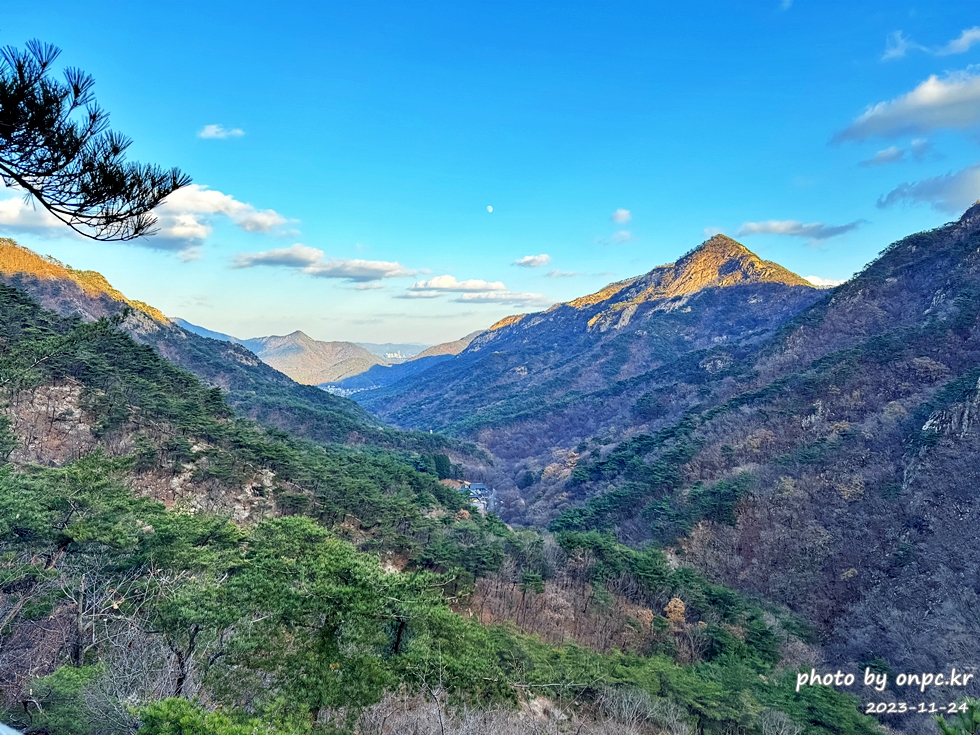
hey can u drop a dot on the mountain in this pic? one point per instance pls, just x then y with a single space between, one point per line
536 384
311 361
302 358
65 289
381 375
204 332
447 348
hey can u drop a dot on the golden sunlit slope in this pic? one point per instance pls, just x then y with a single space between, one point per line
716 263
17 260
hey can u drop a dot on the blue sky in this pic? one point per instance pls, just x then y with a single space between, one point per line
345 154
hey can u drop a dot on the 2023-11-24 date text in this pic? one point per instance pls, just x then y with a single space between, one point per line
922 708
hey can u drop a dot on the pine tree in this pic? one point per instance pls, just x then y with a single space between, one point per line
56 146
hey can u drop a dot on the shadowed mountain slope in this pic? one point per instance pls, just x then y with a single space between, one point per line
447 348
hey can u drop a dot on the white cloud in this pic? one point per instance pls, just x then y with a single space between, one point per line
952 101
959 45
814 231
185 218
888 155
621 216
421 295
295 256
310 261
823 282
952 192
920 147
358 270
533 261
897 45
710 232
503 297
22 215
368 286
561 274
219 132
449 283
188 255
473 291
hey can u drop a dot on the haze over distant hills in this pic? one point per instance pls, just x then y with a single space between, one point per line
393 351
382 375
304 359
311 361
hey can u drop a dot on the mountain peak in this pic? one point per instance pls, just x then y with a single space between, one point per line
722 245
971 215
718 262
721 261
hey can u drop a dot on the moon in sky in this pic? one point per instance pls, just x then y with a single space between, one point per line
489 208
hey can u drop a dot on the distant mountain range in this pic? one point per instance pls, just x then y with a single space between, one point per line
382 375
304 359
314 362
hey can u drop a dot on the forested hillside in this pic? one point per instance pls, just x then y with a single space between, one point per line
165 561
